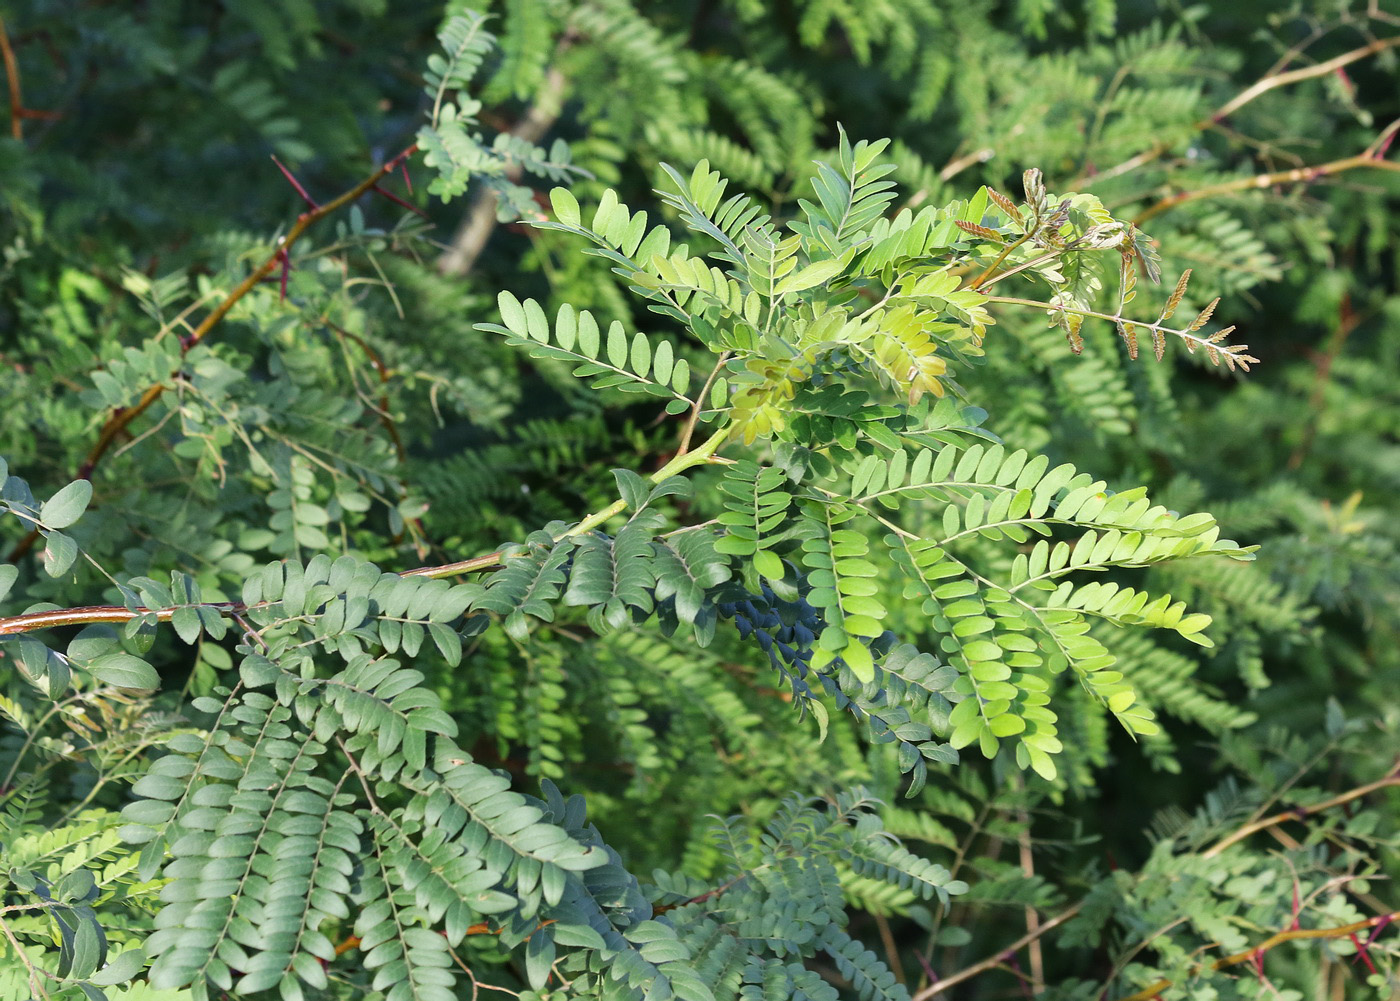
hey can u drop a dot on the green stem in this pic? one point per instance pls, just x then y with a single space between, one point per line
701 455
977 282
700 403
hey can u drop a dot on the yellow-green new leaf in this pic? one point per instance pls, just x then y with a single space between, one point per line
809 277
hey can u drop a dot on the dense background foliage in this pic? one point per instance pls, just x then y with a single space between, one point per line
348 405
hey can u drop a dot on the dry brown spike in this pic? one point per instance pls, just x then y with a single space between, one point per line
1175 299
1203 316
1129 334
976 230
1005 204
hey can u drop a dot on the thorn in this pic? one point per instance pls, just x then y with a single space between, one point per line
399 201
1347 85
933 977
1362 953
286 267
296 184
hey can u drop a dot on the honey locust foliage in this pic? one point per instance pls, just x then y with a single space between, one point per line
288 761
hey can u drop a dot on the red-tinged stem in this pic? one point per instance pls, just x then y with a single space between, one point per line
122 417
1294 175
119 420
97 613
1262 86
12 79
296 184
1380 921
702 455
399 201
1255 955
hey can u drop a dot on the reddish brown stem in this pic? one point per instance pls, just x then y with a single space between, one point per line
12 80
1301 812
991 962
33 621
1262 86
399 201
291 179
1294 175
383 372
18 112
122 417
1256 953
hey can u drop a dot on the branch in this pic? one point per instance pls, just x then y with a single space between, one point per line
1256 954
1300 813
996 959
18 112
967 973
1258 88
33 621
122 417
1274 81
700 403
1296 175
12 80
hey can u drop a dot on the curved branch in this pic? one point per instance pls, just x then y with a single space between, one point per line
1260 87
997 958
1256 954
122 417
1296 175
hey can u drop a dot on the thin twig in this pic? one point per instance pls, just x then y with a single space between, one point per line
382 371
1260 87
1268 83
33 621
1243 832
12 80
990 269
1294 175
1299 813
700 403
1027 856
967 973
122 417
35 984
1256 953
